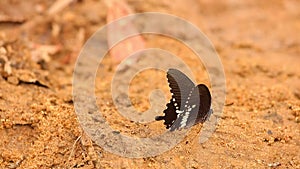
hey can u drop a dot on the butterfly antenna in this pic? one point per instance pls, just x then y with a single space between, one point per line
159 118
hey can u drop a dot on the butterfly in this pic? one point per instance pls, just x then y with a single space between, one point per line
190 104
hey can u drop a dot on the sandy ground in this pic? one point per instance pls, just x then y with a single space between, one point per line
258 43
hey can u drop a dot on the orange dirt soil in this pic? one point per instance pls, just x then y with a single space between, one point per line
258 43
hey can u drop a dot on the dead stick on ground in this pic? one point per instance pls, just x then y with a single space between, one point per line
73 148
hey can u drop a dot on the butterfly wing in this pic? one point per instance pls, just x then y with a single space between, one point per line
205 104
196 108
188 114
180 87
170 115
189 104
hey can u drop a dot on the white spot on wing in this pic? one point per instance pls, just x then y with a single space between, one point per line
179 112
184 120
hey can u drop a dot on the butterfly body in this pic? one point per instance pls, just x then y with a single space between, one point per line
190 104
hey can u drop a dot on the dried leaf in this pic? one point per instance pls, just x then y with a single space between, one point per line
116 10
43 52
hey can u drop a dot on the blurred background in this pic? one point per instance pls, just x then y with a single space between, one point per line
258 43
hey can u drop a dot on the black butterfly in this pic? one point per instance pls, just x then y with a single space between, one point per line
189 104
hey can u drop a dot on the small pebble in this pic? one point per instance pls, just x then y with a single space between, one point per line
276 164
3 51
297 94
297 119
13 80
269 132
